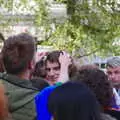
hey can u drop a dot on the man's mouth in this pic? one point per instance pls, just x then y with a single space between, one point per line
52 78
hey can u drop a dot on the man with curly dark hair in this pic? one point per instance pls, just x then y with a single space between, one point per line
59 67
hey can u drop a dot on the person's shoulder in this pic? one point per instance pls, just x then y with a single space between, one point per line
105 116
13 81
39 83
113 113
46 90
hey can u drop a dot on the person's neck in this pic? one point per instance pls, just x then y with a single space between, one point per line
24 75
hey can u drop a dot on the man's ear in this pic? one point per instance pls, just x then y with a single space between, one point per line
31 65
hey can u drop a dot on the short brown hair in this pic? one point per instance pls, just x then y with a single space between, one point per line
17 52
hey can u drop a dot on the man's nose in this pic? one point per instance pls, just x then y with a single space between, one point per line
51 73
112 75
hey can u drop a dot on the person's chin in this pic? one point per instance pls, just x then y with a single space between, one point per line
52 81
116 83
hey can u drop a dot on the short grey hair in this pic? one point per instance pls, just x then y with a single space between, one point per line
113 62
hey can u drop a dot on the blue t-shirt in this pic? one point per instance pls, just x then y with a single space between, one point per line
41 102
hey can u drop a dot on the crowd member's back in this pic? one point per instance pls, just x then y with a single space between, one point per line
18 57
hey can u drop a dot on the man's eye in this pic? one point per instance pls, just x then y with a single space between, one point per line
117 72
47 69
56 68
109 73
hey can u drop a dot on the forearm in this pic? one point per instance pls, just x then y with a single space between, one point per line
64 76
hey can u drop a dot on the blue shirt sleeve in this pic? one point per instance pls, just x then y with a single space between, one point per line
41 102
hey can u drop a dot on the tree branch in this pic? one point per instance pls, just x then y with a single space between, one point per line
87 54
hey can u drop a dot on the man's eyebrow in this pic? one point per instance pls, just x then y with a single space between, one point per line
56 67
48 68
108 71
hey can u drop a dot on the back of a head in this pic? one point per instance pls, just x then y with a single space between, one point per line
73 101
88 66
113 62
17 52
98 82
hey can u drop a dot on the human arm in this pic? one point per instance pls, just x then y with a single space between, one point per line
65 61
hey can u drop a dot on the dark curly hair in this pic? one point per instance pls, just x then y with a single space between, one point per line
54 57
98 82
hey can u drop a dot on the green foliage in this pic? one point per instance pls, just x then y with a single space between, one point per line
6 4
61 1
90 27
41 13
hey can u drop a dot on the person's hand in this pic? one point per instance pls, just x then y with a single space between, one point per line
40 55
64 59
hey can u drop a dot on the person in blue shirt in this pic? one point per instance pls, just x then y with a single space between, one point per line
69 101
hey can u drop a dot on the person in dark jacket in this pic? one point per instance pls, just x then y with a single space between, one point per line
18 56
73 101
98 82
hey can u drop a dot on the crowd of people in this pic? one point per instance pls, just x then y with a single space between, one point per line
55 87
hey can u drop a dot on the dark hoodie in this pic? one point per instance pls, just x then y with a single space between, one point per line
106 117
20 95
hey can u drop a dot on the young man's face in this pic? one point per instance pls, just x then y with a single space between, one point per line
53 71
114 75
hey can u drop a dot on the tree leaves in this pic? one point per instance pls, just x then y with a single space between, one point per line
91 26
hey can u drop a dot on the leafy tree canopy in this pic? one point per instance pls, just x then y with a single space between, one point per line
91 26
